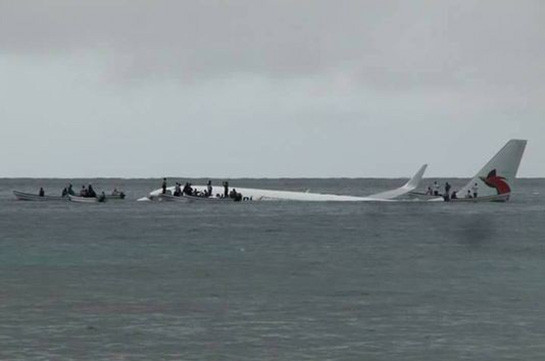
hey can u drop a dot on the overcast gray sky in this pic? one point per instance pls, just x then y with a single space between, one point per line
264 88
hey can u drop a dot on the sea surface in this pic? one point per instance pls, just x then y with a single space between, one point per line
129 280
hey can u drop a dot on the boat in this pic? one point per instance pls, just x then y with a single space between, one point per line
79 199
22 196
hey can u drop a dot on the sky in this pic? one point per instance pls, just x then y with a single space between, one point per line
299 88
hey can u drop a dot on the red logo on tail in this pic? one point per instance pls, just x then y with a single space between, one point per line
498 182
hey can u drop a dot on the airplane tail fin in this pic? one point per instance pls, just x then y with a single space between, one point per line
496 178
411 185
414 182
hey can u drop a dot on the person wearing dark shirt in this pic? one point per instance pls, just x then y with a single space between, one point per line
225 189
41 193
447 188
164 186
209 188
233 193
177 190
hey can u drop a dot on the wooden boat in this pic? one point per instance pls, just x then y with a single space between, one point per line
79 199
37 198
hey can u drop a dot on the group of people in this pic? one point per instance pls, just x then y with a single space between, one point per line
187 189
434 191
68 191
88 192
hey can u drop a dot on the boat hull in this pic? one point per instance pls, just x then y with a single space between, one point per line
36 198
78 199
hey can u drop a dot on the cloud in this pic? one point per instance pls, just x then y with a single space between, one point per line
380 43
300 88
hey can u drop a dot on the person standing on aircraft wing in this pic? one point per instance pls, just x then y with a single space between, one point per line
164 186
446 196
435 188
225 189
447 189
209 188
475 190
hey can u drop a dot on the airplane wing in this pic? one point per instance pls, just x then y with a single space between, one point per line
411 185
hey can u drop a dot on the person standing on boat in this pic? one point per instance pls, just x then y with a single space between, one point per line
91 192
164 186
41 193
83 192
475 190
71 191
64 192
177 190
209 188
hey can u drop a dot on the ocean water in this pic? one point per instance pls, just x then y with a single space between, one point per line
271 280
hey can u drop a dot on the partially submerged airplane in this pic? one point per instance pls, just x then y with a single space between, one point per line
494 182
273 195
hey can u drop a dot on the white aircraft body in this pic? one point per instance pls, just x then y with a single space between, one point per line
273 195
492 183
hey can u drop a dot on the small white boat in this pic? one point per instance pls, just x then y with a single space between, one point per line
37 198
79 199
